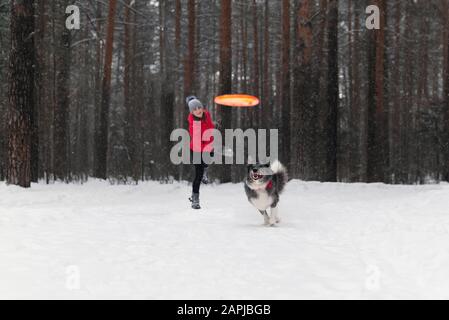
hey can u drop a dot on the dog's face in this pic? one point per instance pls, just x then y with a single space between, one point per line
259 173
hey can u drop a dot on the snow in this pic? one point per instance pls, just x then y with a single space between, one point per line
336 241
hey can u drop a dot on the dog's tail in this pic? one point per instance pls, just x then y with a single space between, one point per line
280 175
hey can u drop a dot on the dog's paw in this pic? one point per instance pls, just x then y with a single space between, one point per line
270 222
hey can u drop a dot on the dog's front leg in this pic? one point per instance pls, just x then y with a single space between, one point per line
266 217
275 215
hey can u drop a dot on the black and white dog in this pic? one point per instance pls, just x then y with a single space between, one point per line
263 185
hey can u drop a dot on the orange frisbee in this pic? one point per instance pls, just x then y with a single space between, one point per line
237 100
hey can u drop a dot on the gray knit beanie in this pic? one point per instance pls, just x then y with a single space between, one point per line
193 103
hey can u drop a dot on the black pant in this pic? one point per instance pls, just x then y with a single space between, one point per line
199 172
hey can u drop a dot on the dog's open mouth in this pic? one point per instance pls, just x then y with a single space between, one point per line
256 176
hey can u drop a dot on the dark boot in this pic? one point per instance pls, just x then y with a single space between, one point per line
195 199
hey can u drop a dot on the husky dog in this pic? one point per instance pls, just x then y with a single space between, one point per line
263 185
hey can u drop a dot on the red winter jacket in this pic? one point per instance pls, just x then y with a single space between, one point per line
206 124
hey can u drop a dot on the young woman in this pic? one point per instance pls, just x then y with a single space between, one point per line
200 119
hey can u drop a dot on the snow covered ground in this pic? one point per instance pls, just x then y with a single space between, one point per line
335 241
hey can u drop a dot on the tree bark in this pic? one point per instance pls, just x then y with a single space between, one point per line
61 168
190 59
445 138
101 144
21 93
130 125
167 88
285 82
256 64
301 95
41 166
331 148
377 156
226 70
266 87
99 49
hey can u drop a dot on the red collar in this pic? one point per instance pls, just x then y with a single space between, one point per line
269 185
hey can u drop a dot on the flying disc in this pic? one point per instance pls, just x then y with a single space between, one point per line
237 100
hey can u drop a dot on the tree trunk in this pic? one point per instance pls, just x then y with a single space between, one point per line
266 88
167 88
83 124
356 112
445 7
42 97
130 138
332 95
396 145
61 169
244 49
301 92
423 98
21 93
99 49
377 155
101 144
226 70
251 115
285 82
190 59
